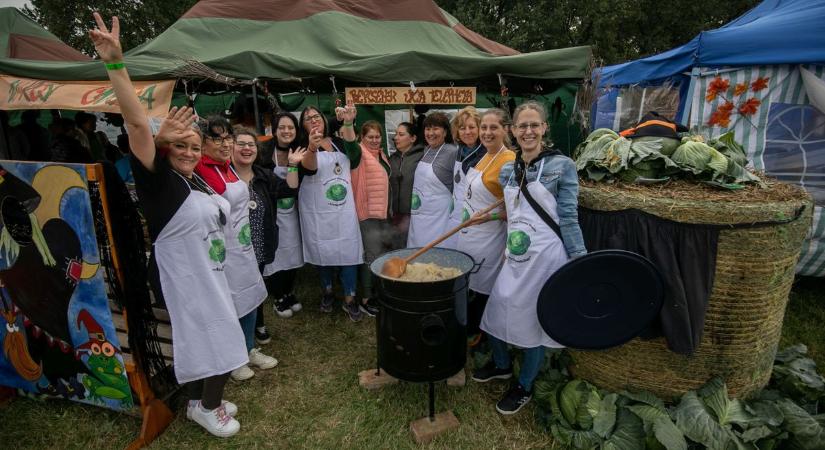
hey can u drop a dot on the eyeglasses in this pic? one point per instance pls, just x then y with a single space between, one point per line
312 118
220 140
528 126
245 144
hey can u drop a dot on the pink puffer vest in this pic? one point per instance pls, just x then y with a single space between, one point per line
371 185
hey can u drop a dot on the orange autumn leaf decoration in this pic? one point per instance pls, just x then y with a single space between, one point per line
727 107
749 107
720 117
759 84
740 88
717 86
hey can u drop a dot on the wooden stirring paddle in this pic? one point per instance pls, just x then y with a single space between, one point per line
396 266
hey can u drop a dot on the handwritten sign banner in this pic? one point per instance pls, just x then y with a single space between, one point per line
28 93
407 96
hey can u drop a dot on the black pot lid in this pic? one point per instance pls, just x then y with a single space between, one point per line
600 300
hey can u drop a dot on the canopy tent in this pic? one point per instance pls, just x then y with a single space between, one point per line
23 39
761 76
773 32
362 41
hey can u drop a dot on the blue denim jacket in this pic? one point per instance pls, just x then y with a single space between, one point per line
560 179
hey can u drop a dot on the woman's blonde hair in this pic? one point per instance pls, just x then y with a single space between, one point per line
370 125
461 117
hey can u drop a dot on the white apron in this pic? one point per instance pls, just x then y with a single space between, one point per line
459 189
290 252
534 252
206 336
429 207
245 281
326 206
484 242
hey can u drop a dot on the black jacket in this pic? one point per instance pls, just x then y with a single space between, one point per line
270 188
402 173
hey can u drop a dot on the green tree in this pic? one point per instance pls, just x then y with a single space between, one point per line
70 20
618 30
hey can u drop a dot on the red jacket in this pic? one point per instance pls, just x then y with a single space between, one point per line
206 170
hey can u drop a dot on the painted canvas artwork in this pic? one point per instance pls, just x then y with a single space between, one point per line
56 331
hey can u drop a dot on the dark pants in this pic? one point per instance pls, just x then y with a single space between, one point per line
475 310
281 283
208 390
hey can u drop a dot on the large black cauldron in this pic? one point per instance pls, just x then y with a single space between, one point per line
421 326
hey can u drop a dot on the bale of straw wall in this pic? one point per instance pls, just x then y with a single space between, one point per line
754 273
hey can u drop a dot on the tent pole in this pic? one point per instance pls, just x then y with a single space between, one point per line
258 124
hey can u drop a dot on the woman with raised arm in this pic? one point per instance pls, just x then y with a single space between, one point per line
186 221
326 206
265 189
541 196
245 281
280 274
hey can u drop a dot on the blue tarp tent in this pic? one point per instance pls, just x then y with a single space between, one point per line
761 75
774 32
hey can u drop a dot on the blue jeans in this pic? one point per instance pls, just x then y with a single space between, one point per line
530 364
348 275
248 327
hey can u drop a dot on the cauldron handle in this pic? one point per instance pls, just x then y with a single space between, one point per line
476 267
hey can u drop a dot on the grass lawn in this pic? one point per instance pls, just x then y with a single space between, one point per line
312 398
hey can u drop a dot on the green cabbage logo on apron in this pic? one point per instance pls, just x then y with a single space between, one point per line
217 251
465 215
518 242
415 203
245 235
336 192
286 203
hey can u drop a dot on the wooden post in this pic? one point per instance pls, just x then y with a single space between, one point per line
156 415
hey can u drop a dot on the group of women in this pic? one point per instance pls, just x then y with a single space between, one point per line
213 213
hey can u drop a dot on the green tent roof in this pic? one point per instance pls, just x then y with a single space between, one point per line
23 38
357 40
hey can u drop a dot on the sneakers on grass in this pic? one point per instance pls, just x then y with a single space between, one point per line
369 307
293 303
282 308
216 421
231 408
353 311
326 302
261 361
514 399
262 336
242 373
491 372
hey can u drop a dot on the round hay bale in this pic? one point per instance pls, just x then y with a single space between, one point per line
754 272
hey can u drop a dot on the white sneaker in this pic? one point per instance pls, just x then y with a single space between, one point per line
242 373
256 358
216 421
231 408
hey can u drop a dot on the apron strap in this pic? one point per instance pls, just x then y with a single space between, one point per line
536 207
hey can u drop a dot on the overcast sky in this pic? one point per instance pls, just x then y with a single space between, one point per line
17 3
